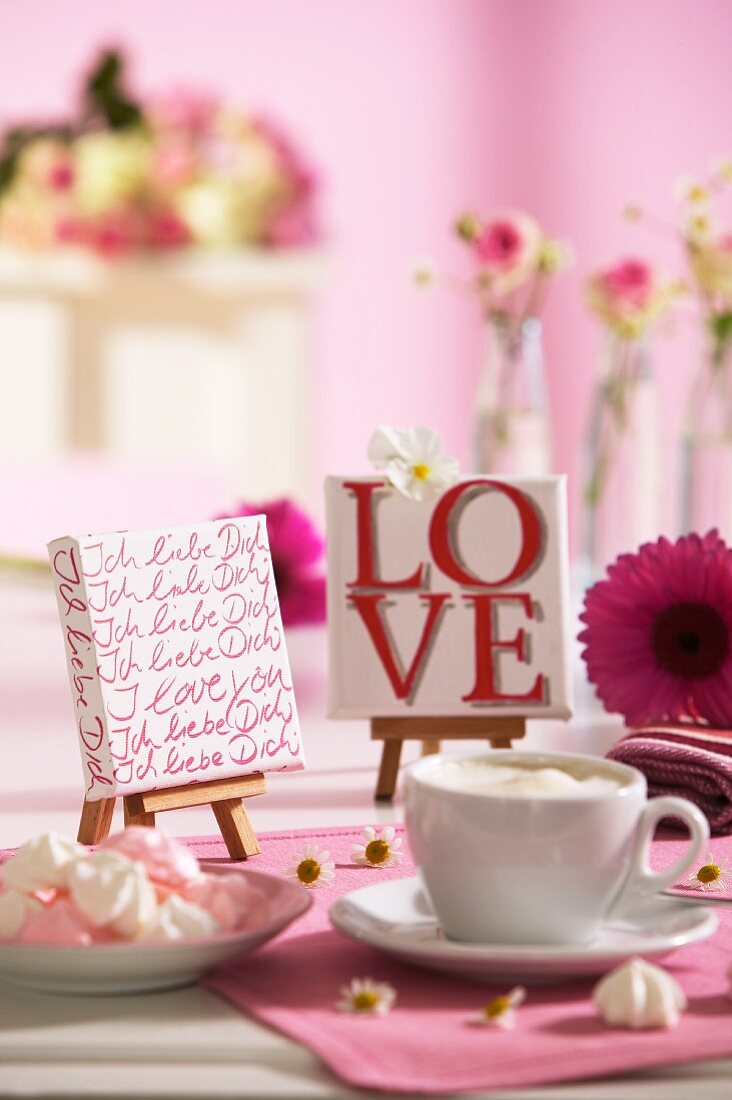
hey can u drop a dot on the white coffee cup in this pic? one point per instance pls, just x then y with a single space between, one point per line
538 868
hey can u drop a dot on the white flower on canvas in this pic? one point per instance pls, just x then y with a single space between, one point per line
414 461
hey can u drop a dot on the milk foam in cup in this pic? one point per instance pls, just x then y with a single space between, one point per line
536 848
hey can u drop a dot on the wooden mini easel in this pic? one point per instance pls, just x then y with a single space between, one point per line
225 797
498 732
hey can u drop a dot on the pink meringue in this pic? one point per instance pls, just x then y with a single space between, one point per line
167 861
60 923
229 898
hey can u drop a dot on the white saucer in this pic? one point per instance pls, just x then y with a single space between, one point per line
397 918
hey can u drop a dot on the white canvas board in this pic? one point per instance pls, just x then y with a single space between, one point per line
176 656
458 606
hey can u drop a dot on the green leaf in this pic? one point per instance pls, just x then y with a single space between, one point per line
105 97
720 326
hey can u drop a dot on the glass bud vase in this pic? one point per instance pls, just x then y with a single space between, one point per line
707 450
622 464
512 433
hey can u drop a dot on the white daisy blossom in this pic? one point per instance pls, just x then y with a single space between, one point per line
501 1011
722 169
366 997
710 876
414 461
312 867
424 273
378 849
688 189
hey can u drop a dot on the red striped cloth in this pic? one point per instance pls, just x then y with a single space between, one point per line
693 762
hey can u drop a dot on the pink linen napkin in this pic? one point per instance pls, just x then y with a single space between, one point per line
426 1044
688 761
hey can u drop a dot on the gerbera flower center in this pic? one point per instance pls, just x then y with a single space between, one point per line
496 1007
710 872
690 640
308 870
377 851
420 471
365 1001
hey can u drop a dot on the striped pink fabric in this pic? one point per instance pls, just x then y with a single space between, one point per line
693 762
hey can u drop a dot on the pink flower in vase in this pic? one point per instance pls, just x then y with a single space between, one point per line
631 282
508 248
658 632
297 549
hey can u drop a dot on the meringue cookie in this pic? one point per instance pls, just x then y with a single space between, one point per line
42 863
177 919
15 908
113 892
639 995
228 898
60 923
167 861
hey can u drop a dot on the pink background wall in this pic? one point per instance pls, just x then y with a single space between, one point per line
416 110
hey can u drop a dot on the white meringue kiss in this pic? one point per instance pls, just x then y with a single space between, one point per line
113 892
639 995
15 908
177 919
42 863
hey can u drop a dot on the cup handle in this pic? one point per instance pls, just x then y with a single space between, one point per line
642 881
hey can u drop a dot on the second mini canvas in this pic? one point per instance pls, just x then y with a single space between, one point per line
453 606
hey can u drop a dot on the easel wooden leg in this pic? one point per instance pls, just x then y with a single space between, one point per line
430 746
225 798
136 816
236 828
96 821
388 770
431 731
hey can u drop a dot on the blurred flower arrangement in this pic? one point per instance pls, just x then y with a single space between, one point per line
126 176
623 448
514 261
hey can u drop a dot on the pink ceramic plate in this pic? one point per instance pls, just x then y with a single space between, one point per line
145 966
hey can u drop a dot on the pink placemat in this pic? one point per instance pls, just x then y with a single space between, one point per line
425 1044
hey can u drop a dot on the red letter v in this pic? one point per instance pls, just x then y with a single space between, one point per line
368 607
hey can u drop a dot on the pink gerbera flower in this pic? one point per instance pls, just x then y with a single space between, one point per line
297 550
658 632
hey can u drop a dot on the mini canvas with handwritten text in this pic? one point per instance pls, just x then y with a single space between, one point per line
176 656
455 606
